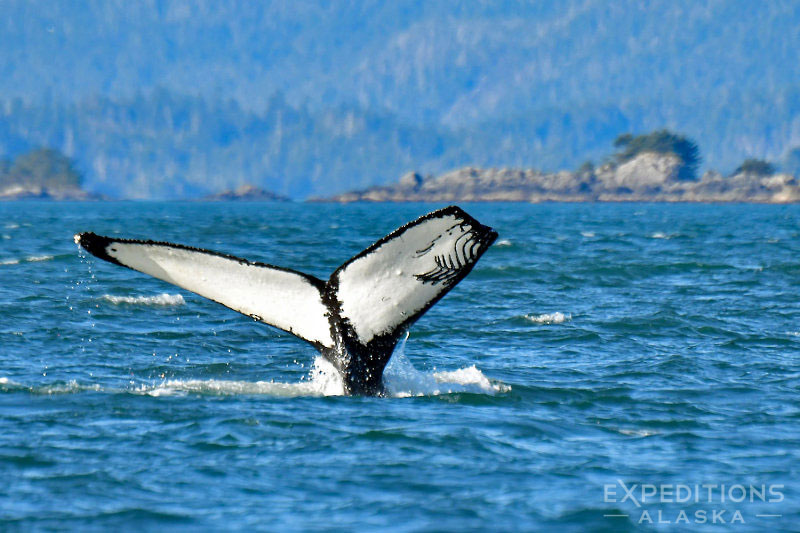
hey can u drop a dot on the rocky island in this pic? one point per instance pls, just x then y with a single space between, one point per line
246 193
658 167
41 174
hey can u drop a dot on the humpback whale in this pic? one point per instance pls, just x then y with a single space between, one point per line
356 317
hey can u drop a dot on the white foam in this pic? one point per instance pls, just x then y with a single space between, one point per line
549 318
323 380
659 235
180 387
163 299
402 379
68 387
470 376
10 385
503 242
31 259
71 386
588 234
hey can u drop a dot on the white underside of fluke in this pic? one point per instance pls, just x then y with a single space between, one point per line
386 286
278 297
376 293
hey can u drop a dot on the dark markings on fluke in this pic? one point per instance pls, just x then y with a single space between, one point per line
355 318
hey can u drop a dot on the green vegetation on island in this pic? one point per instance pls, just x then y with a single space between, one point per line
43 167
660 142
758 167
41 173
245 193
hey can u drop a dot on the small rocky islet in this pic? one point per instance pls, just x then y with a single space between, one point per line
648 177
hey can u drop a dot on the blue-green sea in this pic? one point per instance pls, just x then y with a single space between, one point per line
605 367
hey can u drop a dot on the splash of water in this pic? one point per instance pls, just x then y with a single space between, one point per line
402 379
549 318
162 299
38 258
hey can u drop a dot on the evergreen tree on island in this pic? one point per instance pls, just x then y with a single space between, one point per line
661 142
43 167
759 167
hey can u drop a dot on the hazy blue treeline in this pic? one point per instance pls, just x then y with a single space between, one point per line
164 145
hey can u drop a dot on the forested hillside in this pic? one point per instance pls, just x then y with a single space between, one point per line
173 98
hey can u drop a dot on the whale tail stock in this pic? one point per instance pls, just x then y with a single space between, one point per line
355 318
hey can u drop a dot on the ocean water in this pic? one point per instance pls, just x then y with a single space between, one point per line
604 367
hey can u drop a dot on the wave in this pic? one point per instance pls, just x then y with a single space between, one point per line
323 380
660 235
401 378
549 318
30 259
67 387
163 299
179 387
503 242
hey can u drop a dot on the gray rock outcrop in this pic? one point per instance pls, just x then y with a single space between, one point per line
246 193
649 177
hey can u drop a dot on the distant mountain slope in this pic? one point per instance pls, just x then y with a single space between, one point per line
457 63
542 84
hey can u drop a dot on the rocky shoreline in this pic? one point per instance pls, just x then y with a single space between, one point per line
649 177
23 192
246 193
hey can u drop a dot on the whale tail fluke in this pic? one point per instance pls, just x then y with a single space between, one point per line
356 317
289 300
